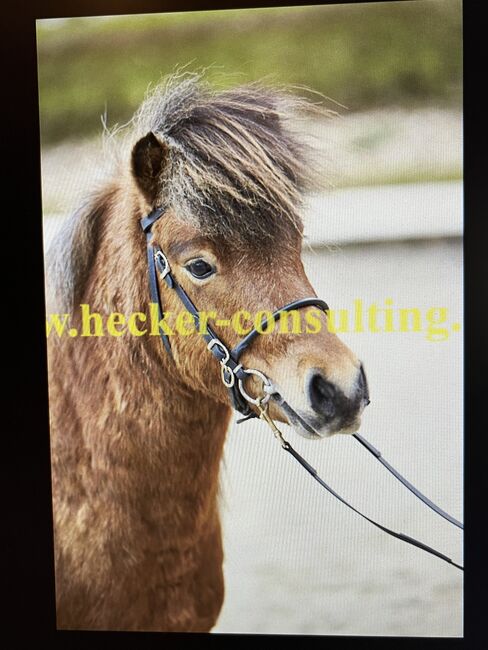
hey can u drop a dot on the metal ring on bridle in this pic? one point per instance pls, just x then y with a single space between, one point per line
226 374
161 258
266 382
229 383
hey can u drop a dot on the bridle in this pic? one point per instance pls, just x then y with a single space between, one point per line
232 372
234 375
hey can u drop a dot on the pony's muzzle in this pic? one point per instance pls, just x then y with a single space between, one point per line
329 403
322 396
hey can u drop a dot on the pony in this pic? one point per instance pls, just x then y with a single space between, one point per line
137 435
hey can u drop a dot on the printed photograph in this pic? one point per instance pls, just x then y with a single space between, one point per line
253 241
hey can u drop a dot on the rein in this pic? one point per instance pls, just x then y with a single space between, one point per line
233 375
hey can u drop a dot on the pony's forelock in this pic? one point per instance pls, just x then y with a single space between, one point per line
238 170
237 166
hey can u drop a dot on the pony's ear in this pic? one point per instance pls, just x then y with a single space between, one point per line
149 159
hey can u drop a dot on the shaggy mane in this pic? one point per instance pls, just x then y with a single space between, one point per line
237 168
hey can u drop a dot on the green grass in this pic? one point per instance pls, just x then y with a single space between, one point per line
362 56
384 177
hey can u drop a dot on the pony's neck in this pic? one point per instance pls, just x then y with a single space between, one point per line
168 425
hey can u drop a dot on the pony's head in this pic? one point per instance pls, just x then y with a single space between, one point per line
232 172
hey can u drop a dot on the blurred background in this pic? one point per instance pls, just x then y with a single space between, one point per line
389 225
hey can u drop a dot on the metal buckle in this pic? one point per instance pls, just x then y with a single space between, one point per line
264 415
259 401
222 347
232 379
161 257
227 379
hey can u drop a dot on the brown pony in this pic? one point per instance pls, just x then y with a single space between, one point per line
137 436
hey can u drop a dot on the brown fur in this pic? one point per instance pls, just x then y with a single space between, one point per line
135 469
137 438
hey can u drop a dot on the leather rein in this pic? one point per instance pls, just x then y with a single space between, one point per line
234 375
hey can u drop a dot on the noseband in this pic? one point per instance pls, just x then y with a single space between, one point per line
233 375
232 372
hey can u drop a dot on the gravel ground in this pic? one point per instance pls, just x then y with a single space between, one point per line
298 561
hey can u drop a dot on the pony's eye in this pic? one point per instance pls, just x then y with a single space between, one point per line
200 269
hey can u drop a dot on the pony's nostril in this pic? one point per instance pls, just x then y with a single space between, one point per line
322 396
363 385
